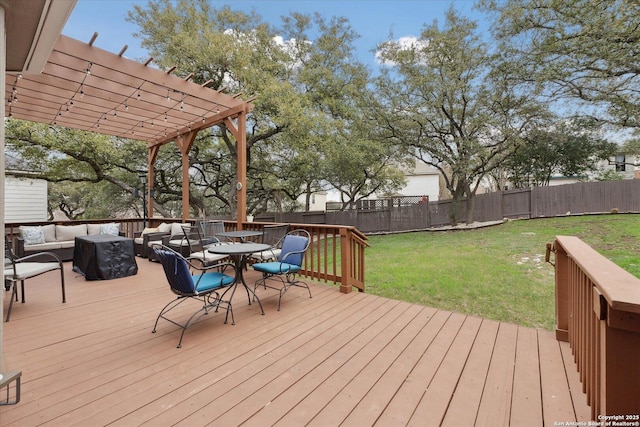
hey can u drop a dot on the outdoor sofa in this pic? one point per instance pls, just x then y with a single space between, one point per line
59 239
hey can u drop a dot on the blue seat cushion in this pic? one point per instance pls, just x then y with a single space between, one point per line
276 267
211 280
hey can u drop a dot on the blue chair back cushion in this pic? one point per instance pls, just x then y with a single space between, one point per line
292 244
177 271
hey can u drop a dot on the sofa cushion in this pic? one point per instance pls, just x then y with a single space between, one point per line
32 235
42 247
70 232
176 229
94 229
49 231
67 244
111 228
148 230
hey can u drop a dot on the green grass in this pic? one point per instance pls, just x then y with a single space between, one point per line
496 272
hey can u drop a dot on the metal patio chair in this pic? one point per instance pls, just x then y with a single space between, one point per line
198 245
17 270
208 287
271 235
294 245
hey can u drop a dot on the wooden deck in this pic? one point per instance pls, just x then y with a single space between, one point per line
335 359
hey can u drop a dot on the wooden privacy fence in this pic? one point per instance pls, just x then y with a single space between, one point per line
598 313
540 202
415 213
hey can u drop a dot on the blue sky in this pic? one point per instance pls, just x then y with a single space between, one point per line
372 19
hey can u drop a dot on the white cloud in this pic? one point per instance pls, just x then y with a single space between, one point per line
402 43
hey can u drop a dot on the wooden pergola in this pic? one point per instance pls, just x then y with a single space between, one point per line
87 88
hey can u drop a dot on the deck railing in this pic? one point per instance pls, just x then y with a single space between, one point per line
598 313
336 253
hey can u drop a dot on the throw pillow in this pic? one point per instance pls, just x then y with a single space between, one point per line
49 232
65 233
94 229
32 235
110 228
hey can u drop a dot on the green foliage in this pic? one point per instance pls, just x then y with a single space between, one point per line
450 100
451 103
568 148
308 97
581 49
93 176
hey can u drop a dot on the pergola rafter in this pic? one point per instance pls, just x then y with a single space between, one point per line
87 88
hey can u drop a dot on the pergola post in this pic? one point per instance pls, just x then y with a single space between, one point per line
151 160
239 132
184 142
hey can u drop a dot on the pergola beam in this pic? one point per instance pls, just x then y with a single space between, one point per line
84 87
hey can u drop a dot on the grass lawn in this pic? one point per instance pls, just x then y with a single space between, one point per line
496 272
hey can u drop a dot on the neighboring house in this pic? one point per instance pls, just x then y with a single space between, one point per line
627 166
317 203
422 180
25 199
562 180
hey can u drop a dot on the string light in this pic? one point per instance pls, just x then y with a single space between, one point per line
89 68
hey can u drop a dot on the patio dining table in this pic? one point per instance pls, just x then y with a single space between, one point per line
239 253
240 234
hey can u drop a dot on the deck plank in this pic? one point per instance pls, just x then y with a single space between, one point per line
582 410
353 359
463 408
197 375
495 405
557 405
527 391
435 401
315 382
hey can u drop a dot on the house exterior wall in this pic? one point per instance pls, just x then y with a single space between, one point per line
422 185
25 199
318 201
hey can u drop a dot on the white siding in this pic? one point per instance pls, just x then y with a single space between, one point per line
318 201
422 185
25 199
